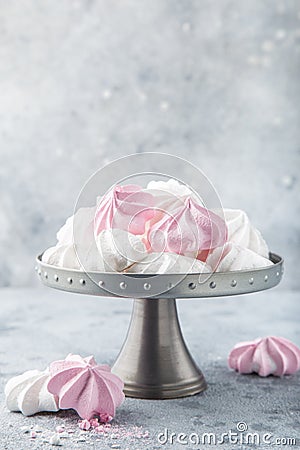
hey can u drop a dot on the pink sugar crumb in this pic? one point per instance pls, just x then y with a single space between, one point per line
105 418
33 434
60 429
84 424
94 423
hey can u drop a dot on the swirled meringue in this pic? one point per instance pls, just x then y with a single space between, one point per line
234 257
78 228
86 387
189 230
119 249
28 393
265 356
168 263
126 208
76 247
243 233
171 186
86 258
169 195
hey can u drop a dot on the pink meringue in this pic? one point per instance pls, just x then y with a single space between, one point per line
86 387
266 356
188 231
126 208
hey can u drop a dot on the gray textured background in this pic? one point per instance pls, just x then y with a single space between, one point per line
83 82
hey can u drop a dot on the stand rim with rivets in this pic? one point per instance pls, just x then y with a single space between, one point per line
154 362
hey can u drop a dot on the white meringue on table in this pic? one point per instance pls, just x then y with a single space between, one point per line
28 393
234 257
243 233
119 249
166 262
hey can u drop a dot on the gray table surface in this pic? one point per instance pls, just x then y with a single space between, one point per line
40 325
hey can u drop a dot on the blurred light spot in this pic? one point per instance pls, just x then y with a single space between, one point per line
59 152
106 95
253 60
142 96
288 181
267 46
186 27
280 34
164 106
277 121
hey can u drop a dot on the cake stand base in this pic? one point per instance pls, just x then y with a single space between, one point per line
154 362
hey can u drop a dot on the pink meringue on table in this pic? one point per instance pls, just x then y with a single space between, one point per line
265 356
86 387
126 208
188 231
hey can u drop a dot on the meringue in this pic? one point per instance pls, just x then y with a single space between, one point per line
86 387
130 223
232 257
189 230
119 249
126 208
243 233
265 356
76 247
28 393
78 228
169 263
169 195
85 258
171 186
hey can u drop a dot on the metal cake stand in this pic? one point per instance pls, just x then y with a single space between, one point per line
154 362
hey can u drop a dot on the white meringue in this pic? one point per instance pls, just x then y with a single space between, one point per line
243 233
86 258
234 257
78 228
76 247
120 249
169 263
28 393
169 195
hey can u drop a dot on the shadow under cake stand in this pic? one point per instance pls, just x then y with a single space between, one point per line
154 361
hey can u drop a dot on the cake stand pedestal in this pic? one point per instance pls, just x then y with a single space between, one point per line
154 361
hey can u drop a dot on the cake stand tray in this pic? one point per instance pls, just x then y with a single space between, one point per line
154 361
